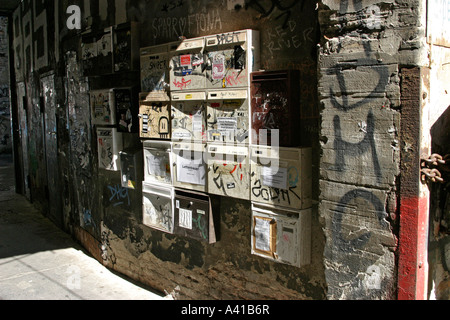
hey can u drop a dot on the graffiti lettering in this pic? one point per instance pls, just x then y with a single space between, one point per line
263 8
274 194
357 149
348 245
183 84
226 38
119 195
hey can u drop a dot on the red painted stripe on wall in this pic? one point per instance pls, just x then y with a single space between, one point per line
412 273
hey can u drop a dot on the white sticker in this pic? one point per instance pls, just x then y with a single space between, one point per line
274 177
185 219
226 123
197 123
190 171
262 234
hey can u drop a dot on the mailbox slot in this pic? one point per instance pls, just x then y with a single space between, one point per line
229 171
157 207
282 236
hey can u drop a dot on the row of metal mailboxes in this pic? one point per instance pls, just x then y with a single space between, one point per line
212 62
272 175
280 235
278 176
207 116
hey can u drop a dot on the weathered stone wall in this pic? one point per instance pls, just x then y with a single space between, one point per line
5 119
364 46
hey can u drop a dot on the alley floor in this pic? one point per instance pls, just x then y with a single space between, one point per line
38 261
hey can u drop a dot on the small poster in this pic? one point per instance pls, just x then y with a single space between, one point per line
218 67
264 236
191 171
275 177
156 165
185 219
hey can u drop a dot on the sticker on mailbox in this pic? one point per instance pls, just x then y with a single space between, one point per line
185 219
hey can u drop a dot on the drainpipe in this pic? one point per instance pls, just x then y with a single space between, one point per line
414 201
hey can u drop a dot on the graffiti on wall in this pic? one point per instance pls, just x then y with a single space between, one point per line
366 151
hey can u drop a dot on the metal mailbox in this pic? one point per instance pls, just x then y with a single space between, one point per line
131 168
157 207
231 57
157 162
109 143
189 166
228 116
125 107
102 107
229 171
97 52
187 65
155 68
154 116
275 108
188 116
126 47
281 176
283 236
194 216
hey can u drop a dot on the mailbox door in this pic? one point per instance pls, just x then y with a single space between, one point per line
157 163
105 52
275 105
126 110
229 171
158 207
188 116
89 54
189 166
187 65
126 47
227 116
282 236
131 168
154 68
102 107
230 61
193 218
281 176
109 146
154 118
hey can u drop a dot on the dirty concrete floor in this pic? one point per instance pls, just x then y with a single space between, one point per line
38 261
